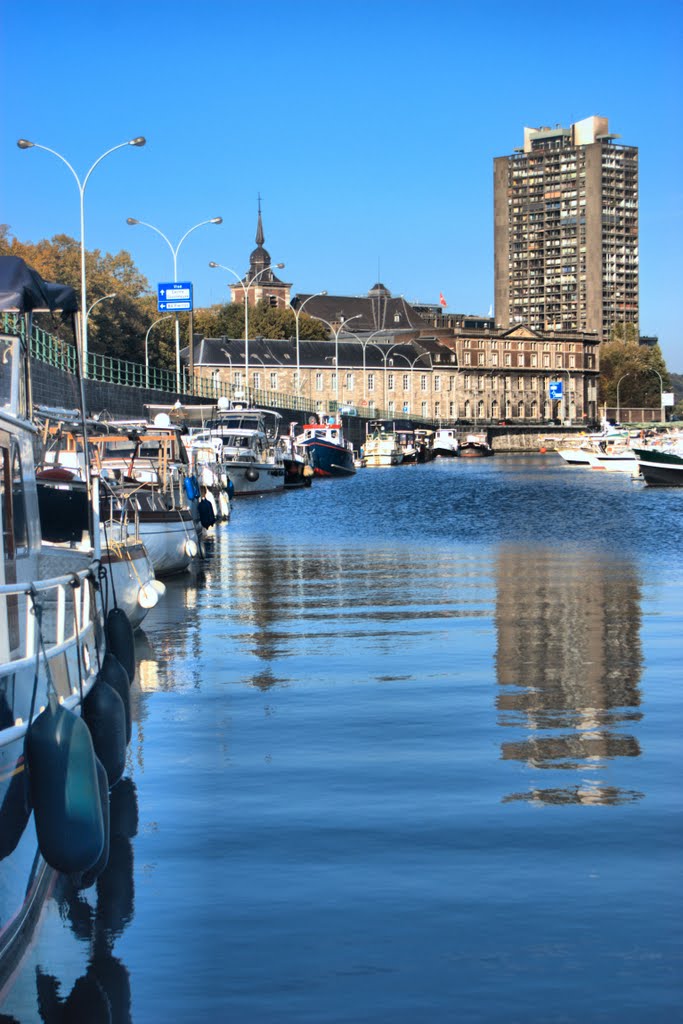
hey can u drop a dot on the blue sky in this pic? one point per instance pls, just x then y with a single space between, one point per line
369 128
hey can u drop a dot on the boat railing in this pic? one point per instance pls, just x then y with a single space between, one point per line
70 601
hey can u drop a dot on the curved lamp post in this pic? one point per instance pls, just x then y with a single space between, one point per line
25 144
336 333
297 313
174 250
411 362
618 386
169 316
662 416
245 288
112 295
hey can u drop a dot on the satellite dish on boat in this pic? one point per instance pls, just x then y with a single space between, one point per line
223 403
162 419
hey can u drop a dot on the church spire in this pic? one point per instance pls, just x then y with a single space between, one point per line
260 237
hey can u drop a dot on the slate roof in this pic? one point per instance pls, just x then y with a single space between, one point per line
377 310
221 353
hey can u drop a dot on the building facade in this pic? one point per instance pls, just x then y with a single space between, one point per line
471 376
566 231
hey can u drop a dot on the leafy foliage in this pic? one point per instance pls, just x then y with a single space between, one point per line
636 367
118 326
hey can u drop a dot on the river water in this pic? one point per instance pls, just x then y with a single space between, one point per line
407 748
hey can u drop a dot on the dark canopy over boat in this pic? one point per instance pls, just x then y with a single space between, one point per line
23 290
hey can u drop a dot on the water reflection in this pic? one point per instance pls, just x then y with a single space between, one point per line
102 993
568 663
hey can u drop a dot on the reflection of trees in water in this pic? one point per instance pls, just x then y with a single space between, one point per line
102 993
569 658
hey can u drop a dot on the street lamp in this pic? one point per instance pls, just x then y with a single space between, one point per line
25 144
662 415
112 295
212 220
410 363
618 385
245 287
297 313
169 316
336 333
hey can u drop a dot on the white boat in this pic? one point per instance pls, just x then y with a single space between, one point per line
445 443
249 448
51 629
149 465
381 447
61 483
614 459
206 459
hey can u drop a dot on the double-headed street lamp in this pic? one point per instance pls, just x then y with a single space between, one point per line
25 144
245 284
337 331
174 250
297 313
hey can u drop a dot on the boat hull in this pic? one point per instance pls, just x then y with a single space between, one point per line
659 468
168 540
330 459
131 569
475 451
256 477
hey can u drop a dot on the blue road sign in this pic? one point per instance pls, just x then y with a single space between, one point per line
174 297
556 389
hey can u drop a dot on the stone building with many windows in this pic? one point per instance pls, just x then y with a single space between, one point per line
475 376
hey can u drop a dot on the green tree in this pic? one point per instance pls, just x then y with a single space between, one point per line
116 326
264 320
637 367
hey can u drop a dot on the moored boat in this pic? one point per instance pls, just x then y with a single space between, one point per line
329 453
295 457
445 443
661 465
249 448
381 447
475 446
53 785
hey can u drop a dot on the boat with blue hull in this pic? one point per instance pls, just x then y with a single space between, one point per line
328 452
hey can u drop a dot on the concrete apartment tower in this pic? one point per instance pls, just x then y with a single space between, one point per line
566 230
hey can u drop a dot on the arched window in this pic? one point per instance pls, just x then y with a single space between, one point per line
520 410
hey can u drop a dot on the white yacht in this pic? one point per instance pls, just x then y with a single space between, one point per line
249 447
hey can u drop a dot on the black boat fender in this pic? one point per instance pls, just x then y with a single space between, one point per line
252 475
65 790
120 640
113 672
105 716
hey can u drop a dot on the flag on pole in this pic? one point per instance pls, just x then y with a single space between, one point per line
442 300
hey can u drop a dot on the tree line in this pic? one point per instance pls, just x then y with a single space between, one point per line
117 326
